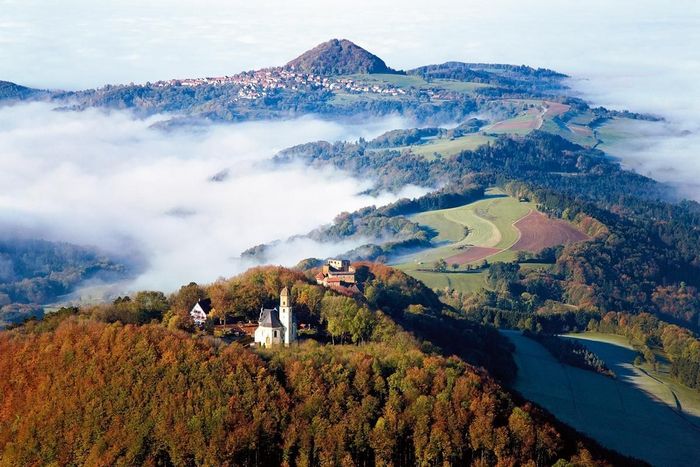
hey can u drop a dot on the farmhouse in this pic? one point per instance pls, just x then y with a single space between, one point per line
275 326
200 311
336 273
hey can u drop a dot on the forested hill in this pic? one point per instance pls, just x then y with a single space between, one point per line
15 92
37 272
653 244
82 387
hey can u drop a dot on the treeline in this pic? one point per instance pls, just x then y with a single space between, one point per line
646 258
651 334
570 352
413 136
514 79
388 296
451 196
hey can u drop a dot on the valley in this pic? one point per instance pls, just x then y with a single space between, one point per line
629 413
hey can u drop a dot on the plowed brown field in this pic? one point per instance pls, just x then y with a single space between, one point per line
538 231
474 253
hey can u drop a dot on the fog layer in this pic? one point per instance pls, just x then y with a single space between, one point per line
183 203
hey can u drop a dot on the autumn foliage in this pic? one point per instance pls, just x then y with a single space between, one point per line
91 393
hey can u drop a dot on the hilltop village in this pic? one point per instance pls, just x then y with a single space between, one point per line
279 326
260 83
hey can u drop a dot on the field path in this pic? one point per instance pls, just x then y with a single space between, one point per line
618 412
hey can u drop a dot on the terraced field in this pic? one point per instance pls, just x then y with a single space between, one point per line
628 413
491 229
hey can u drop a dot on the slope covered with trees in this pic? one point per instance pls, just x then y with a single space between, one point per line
79 390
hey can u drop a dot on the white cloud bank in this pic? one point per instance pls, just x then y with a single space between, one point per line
108 180
635 54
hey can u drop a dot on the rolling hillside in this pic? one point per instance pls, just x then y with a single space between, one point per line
492 229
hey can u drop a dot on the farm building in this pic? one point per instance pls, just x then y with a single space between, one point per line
336 273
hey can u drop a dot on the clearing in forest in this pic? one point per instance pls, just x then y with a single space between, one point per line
447 147
492 229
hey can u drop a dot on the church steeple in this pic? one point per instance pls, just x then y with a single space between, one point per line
287 317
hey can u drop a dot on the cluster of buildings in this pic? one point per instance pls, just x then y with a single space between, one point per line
278 326
258 84
339 275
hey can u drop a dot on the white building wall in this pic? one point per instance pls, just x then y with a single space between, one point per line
268 337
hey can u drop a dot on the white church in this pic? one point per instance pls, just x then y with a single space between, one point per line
277 327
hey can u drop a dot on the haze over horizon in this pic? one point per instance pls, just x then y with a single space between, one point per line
623 54
78 44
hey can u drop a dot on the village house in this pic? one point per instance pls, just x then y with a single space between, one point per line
277 326
200 311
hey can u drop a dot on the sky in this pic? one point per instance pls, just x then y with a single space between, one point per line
641 55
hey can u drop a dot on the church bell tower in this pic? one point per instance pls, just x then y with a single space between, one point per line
287 317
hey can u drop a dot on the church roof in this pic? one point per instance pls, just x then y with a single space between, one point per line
285 292
269 318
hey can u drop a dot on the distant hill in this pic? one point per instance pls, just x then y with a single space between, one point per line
12 91
34 272
339 57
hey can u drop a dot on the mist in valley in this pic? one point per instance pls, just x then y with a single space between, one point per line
181 205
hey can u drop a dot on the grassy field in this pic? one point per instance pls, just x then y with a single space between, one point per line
658 382
519 125
621 413
618 130
469 234
464 282
412 81
450 147
490 224
582 118
558 128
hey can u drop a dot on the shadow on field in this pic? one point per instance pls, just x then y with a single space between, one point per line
621 413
